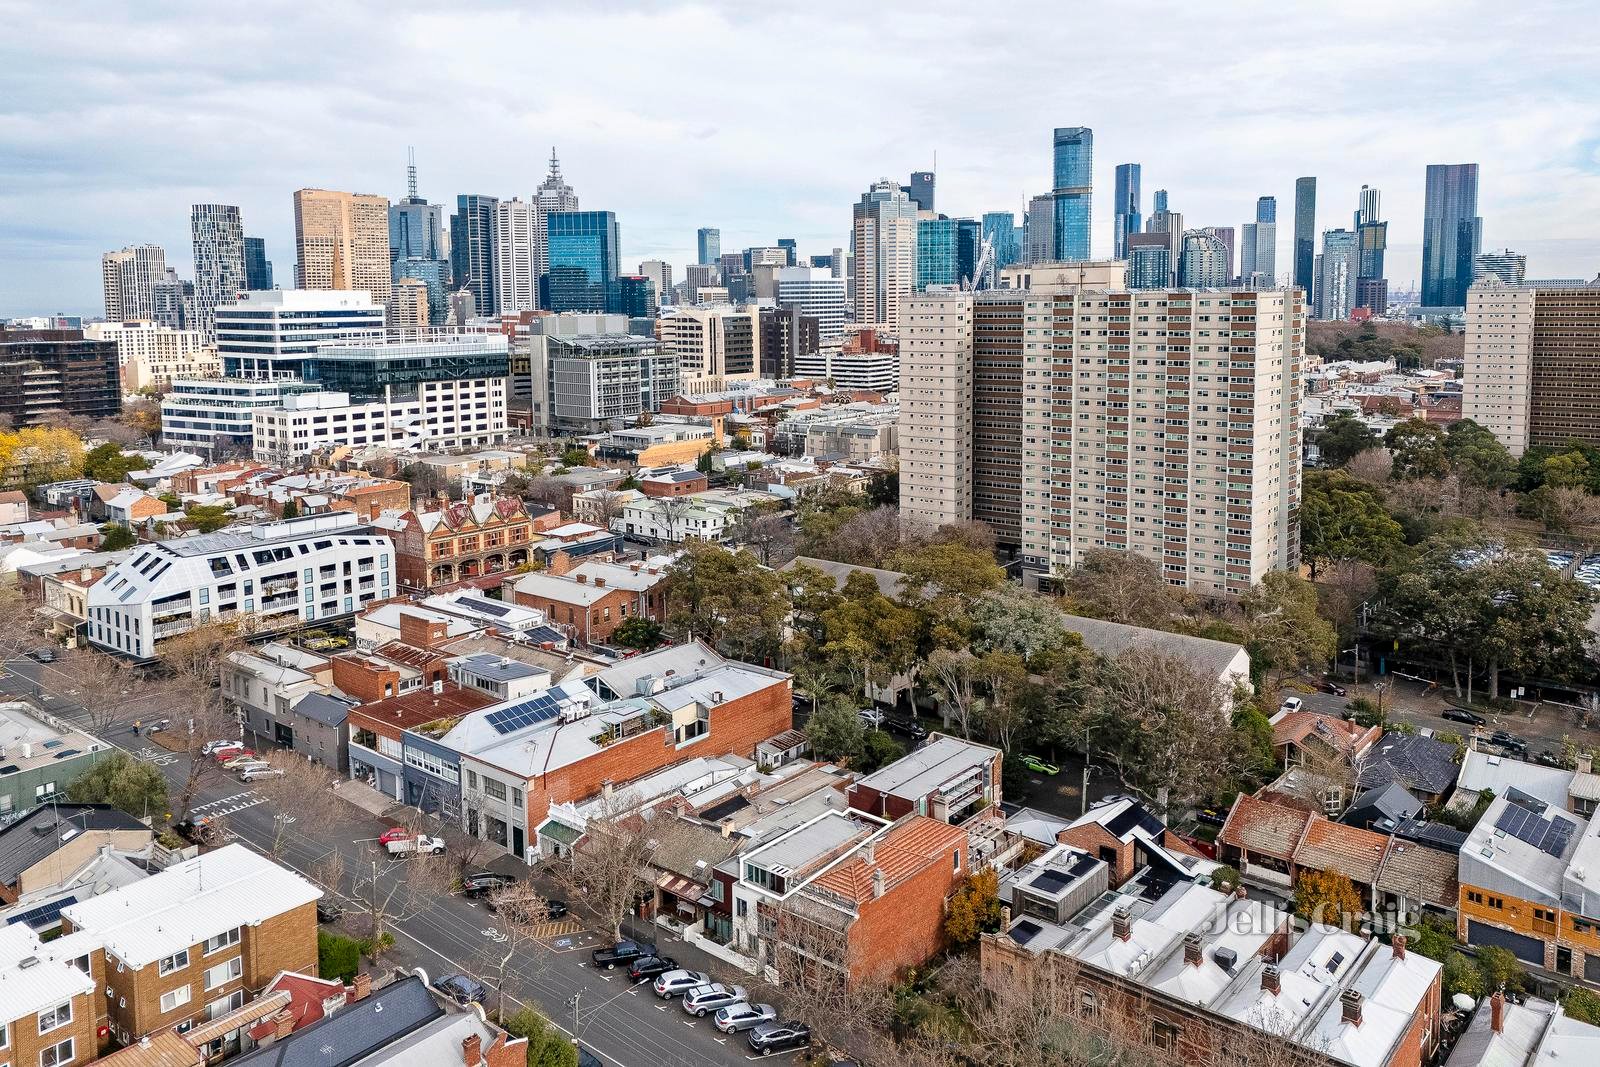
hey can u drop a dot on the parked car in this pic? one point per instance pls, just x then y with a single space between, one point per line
674 983
461 989
43 655
870 717
232 757
329 910
1034 763
1457 715
907 727
211 748
742 1016
588 1059
1211 816
156 727
621 952
255 774
519 910
708 998
651 966
483 883
1292 704
420 843
1552 759
779 1037
1335 688
251 764
198 831
394 833
1509 742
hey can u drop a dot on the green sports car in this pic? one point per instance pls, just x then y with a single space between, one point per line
1034 763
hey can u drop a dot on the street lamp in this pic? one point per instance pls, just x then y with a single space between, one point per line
1355 656
1379 688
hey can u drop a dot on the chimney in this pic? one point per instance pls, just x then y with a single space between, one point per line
1351 1000
583 579
560 563
362 987
606 788
1399 945
1122 924
1269 979
599 581
1005 916
472 1051
282 1024
868 851
1585 763
727 827
1192 956
1497 1012
877 883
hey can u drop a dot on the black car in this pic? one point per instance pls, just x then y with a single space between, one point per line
907 726
650 966
587 1058
1509 742
43 655
621 952
779 1037
485 882
461 989
1457 715
1552 759
1335 688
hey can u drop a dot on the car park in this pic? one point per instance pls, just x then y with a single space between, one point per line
482 883
1458 715
621 952
742 1016
1034 763
779 1037
702 1000
650 967
675 983
461 989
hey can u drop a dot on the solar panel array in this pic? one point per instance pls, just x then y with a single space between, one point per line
1051 881
524 713
1549 836
486 607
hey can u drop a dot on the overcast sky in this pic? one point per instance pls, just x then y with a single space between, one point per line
770 121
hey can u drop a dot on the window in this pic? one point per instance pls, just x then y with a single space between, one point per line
955 858
175 962
57 1055
51 1018
223 973
222 1006
174 999
222 940
1163 1035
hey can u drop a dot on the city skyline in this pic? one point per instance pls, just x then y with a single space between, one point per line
234 130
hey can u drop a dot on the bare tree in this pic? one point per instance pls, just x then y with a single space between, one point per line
813 969
605 505
387 892
303 797
610 865
112 691
1122 587
672 509
550 492
771 537
955 675
193 660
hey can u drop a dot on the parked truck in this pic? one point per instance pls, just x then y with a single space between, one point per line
412 845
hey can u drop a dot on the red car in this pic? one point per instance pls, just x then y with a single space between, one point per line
395 833
229 755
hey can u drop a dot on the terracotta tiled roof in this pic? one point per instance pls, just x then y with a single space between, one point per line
905 851
1257 826
1419 872
1333 846
1295 727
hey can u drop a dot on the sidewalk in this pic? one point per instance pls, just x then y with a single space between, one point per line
365 797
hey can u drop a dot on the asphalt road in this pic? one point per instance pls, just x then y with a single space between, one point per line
623 1024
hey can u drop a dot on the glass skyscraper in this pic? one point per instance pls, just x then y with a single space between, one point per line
1452 233
257 268
1305 235
584 246
921 189
708 244
1000 230
472 230
435 274
636 296
1127 219
937 260
1073 191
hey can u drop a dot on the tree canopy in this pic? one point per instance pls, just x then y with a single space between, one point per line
1342 437
123 782
1343 519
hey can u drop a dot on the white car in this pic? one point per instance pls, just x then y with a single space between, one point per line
1291 704
871 717
213 747
255 774
672 983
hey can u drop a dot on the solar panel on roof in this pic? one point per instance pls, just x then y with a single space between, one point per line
524 713
488 607
1051 881
43 915
1025 931
1549 836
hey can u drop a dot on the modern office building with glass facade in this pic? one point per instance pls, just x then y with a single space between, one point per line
382 371
1000 229
583 250
1126 219
472 233
269 335
257 268
1305 235
1149 260
708 244
435 274
1452 233
1074 184
636 296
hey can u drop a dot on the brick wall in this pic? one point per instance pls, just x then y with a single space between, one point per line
26 1044
904 927
1093 839
592 624
364 680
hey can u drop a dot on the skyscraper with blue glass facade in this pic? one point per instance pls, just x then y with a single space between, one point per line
583 248
1073 191
1001 231
1126 219
1305 236
937 260
472 230
1452 233
708 244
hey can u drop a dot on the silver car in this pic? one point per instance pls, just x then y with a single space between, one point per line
680 981
708 998
742 1016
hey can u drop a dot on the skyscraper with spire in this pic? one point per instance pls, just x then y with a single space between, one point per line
553 194
419 246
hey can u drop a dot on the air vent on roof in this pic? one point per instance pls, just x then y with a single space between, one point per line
1226 958
28 961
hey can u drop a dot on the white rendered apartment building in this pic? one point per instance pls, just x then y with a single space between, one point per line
152 355
217 415
439 416
278 574
269 334
936 408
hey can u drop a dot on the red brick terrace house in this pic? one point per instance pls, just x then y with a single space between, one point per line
461 540
1128 838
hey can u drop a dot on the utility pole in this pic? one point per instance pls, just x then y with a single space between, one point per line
1083 795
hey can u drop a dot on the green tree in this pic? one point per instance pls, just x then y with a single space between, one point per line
1478 456
114 537
1012 619
869 631
1327 897
1121 587
726 599
106 463
1418 448
547 1046
123 782
290 509
1567 470
576 456
835 731
208 518
638 632
1582 1005
883 490
1345 520
1461 975
1501 969
704 464
878 749
1341 438
974 908
1282 627
337 956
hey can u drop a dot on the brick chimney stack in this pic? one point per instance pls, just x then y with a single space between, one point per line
1192 945
1122 924
1497 1012
362 987
282 1024
1270 982
472 1051
1351 1001
1399 945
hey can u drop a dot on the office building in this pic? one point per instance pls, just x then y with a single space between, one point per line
46 372
598 382
1125 209
936 410
216 416
699 276
282 574
816 293
1532 374
947 252
708 244
151 356
257 267
789 338
1229 238
1150 262
553 194
1452 233
341 241
883 240
1073 159
1163 220
1000 229
1337 269
409 306
920 189
713 345
516 260
865 360
416 227
375 369
583 248
791 251
218 259
268 335
636 296
1204 262
129 278
1258 261
660 274
1305 235
173 303
472 232
1372 237
434 274
1502 266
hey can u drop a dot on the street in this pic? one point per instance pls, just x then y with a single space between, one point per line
622 1023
